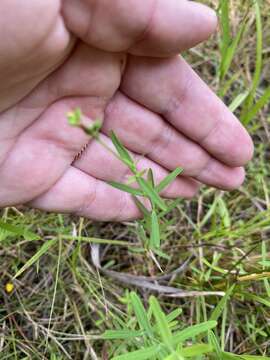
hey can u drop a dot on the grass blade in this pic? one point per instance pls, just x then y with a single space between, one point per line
121 334
257 107
44 248
215 345
162 322
221 305
155 232
196 350
141 314
126 188
142 208
144 354
259 62
193 331
168 179
224 213
238 101
257 298
174 314
229 55
150 178
224 10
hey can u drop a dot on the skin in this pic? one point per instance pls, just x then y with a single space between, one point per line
118 61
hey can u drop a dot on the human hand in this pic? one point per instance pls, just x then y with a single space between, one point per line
117 61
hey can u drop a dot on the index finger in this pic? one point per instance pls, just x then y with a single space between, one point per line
172 89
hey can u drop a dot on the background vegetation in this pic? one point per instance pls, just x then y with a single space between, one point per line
62 302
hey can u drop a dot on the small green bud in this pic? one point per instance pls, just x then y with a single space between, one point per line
74 117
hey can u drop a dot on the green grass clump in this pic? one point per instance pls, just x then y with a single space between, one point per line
152 334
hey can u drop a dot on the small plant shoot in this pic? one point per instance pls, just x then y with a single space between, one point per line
144 189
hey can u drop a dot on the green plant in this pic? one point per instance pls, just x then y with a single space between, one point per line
153 335
229 45
146 189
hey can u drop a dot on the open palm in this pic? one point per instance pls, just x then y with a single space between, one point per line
117 61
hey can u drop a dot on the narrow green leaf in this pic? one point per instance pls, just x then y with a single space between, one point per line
162 323
225 26
168 179
44 248
221 305
174 314
196 350
215 344
238 101
155 232
229 55
257 298
123 153
142 208
209 213
151 194
141 314
162 254
224 213
259 62
193 331
214 267
126 188
143 354
142 233
263 101
150 178
121 334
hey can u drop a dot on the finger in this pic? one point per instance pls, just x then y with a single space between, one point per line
83 195
150 27
147 133
100 163
172 89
